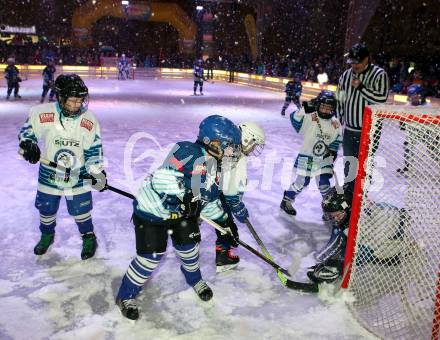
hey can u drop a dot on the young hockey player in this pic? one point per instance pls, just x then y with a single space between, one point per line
198 77
169 203
331 258
72 138
320 147
12 75
293 93
233 185
416 97
123 68
388 222
48 81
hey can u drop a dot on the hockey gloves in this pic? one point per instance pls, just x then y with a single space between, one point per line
192 206
31 151
328 271
309 107
330 155
237 207
98 181
232 236
240 212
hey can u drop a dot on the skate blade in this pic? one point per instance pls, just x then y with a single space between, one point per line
222 269
286 216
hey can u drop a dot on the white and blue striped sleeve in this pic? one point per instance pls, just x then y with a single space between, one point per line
30 129
167 181
297 119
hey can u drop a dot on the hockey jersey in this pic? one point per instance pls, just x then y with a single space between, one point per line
48 75
186 168
198 73
293 89
310 160
73 143
12 74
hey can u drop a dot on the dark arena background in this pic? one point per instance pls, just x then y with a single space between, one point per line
154 70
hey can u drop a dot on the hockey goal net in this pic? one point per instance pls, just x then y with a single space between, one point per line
392 264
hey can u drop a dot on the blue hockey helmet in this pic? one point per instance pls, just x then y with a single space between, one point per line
220 136
298 76
416 94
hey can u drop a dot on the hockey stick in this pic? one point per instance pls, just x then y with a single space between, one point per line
307 287
300 286
67 173
54 165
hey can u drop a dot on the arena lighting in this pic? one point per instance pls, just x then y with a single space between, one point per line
199 8
125 2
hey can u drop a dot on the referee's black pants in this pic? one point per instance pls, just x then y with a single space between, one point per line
350 145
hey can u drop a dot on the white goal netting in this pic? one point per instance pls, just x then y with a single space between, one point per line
393 253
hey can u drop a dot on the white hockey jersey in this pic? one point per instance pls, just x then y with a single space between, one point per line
73 143
310 160
234 177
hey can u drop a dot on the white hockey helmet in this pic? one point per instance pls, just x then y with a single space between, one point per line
252 138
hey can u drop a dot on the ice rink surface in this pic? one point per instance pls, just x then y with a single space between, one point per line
58 296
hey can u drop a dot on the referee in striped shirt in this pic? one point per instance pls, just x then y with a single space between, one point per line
361 85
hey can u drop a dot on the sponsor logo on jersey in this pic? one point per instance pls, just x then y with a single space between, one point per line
193 235
87 124
319 148
65 158
199 169
47 117
60 141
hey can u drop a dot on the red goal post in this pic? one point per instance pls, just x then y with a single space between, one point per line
392 261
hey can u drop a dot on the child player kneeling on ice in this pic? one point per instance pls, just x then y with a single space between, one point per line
389 223
170 201
322 137
233 186
72 139
331 258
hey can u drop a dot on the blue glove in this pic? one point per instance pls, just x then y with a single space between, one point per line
240 212
237 207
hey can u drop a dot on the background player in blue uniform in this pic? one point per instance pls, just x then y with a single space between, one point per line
198 76
48 81
293 93
12 76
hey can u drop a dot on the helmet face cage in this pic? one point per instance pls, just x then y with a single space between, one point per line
71 86
226 149
250 146
252 138
326 100
73 113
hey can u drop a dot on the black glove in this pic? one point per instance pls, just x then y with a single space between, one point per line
309 106
330 153
31 151
232 236
192 206
99 180
328 271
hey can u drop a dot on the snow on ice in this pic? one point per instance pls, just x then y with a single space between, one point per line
58 296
